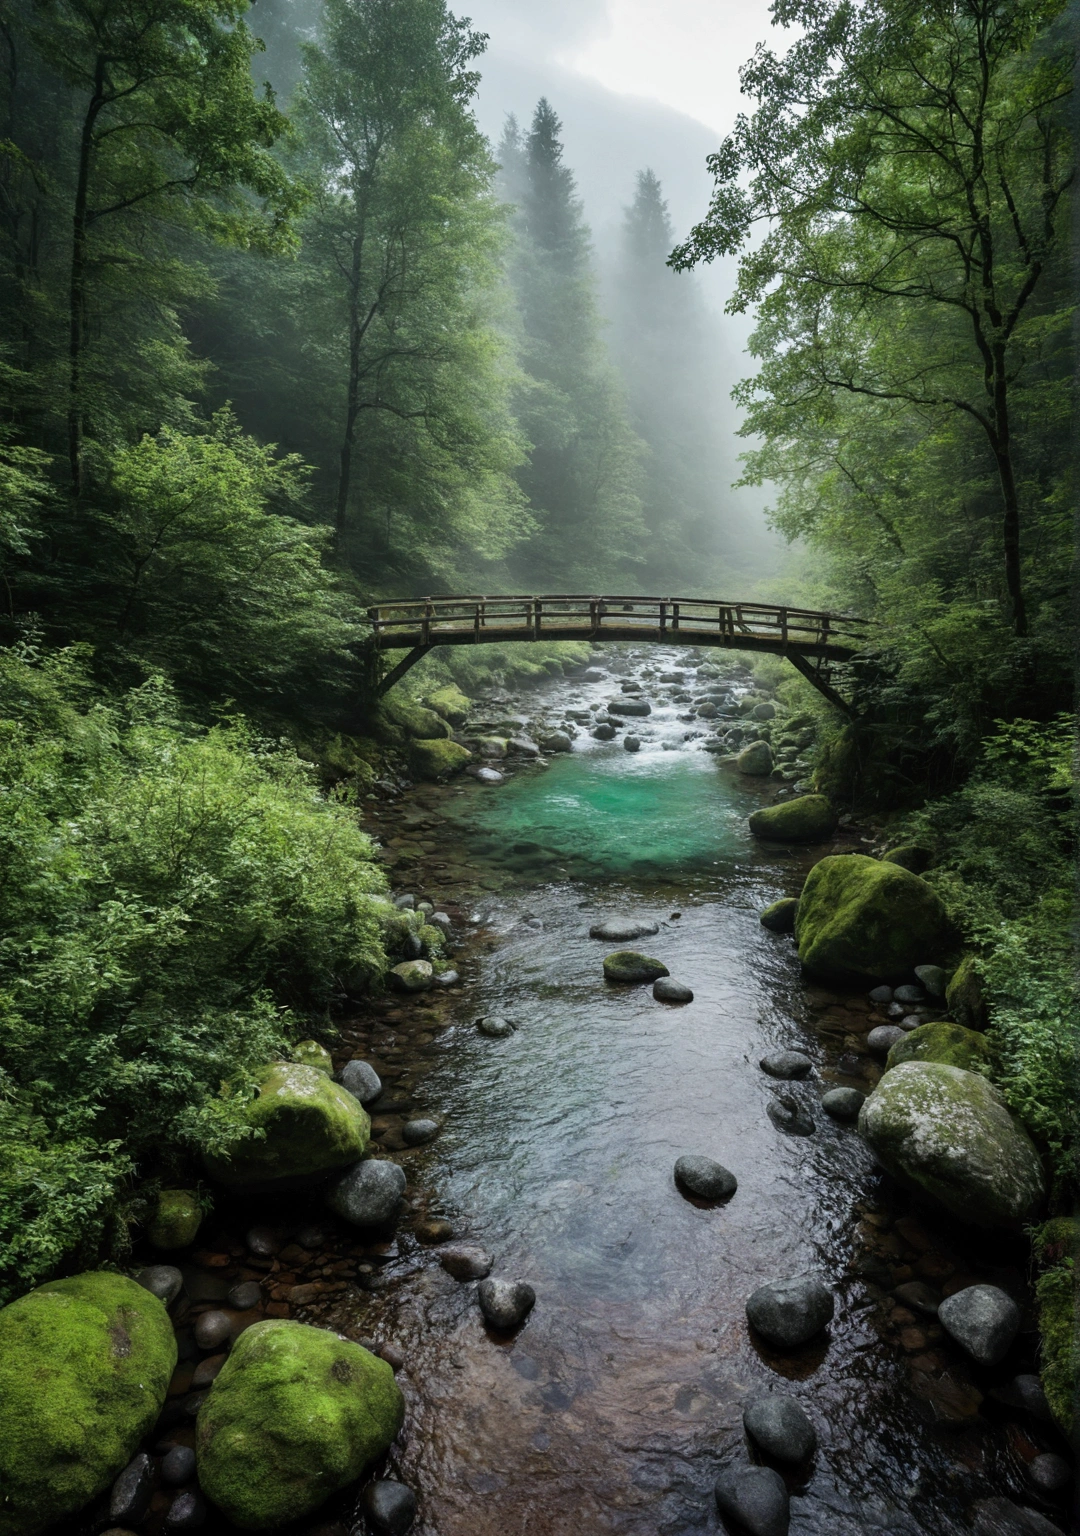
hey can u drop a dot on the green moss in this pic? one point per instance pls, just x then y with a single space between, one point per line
780 916
402 719
295 1414
1057 1245
176 1220
950 1043
84 1367
432 939
309 1053
964 995
908 856
311 1127
807 819
628 965
861 919
450 703
435 760
411 976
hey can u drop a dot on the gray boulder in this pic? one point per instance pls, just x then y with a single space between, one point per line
635 707
414 1133
705 1178
787 1065
361 1080
788 1313
755 1499
780 1426
495 1027
883 1037
843 1103
505 1303
934 978
162 1280
465 1261
558 741
983 1320
411 976
620 930
369 1194
604 731
755 760
668 990
632 743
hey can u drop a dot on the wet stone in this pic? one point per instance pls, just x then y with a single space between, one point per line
495 1027
790 1312
246 1295
883 1037
780 1426
632 743
414 1133
1026 1393
178 1466
668 990
983 1320
787 1065
704 1177
843 1103
505 1303
361 1080
162 1280
1049 1474
789 1116
881 995
206 1371
130 1496
755 1499
909 994
466 1262
919 1296
262 1242
621 930
369 1194
1001 1517
212 1329
389 1508
434 1231
187 1512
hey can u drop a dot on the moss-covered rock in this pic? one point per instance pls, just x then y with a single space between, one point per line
176 1219
948 1133
403 719
84 1367
964 995
908 856
950 1043
294 1414
311 1125
755 760
450 703
780 916
433 939
1057 1245
434 760
411 976
861 919
627 965
309 1053
807 819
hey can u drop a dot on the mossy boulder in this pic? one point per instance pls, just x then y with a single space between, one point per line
411 976
84 1367
628 966
309 1053
860 919
780 916
806 819
435 760
176 1219
433 939
1057 1245
948 1133
450 703
294 1414
755 760
311 1126
950 1043
908 856
404 719
964 995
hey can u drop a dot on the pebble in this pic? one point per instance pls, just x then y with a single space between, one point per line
786 1064
488 776
781 1426
212 1329
620 930
756 1499
881 995
632 743
505 1303
668 990
497 1028
604 732
983 1320
187 1512
843 1103
789 1312
705 1178
262 1242
389 1508
361 1080
245 1295
465 1262
162 1280
909 994
415 1132
130 1496
369 1194
178 1466
1049 1473
883 1037
789 1116
434 1231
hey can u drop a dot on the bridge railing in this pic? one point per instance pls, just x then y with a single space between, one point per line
427 621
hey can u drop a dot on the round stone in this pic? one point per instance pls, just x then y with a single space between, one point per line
495 1027
604 732
789 1116
668 990
787 1065
389 1508
843 1103
909 994
130 1497
207 1371
435 1230
632 743
245 1295
755 1500
505 1303
262 1242
1049 1473
415 1132
178 1467
361 1080
162 1280
369 1194
187 1512
465 1262
934 978
983 1320
621 930
626 965
488 776
883 1037
790 1312
212 1329
881 995
705 1178
781 1426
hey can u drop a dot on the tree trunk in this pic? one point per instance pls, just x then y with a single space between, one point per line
77 291
352 392
1010 522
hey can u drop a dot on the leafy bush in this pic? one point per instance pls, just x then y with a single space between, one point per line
172 895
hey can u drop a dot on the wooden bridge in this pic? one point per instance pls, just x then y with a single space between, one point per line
808 639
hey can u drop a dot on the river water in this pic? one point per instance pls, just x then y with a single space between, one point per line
614 1407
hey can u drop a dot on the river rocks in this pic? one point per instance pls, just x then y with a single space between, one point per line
505 1303
883 1037
1049 1474
633 707
919 1296
983 1320
296 1413
129 1498
619 930
465 1261
806 819
488 776
843 1103
593 675
949 1043
780 1426
178 1466
755 1499
309 1053
162 1280
1000 1517
176 1219
436 760
361 1080
705 1178
763 711
632 743
212 1329
312 1126
964 995
935 978
789 1116
187 1512
558 741
389 1507
414 1133
780 916
787 1065
495 1027
948 1133
909 994
605 731
626 965
755 760
667 990
412 976
369 1195
84 1367
880 995
790 1312
861 918
244 1295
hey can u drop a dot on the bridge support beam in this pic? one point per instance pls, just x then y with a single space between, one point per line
812 675
398 672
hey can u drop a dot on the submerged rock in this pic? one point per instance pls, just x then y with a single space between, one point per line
780 916
859 918
781 1426
667 990
505 1303
620 930
982 1319
789 1116
755 1499
312 1126
495 1027
806 819
627 965
791 1312
704 1177
948 1133
787 1065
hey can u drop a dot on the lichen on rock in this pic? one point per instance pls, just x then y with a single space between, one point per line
311 1126
949 1043
434 760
